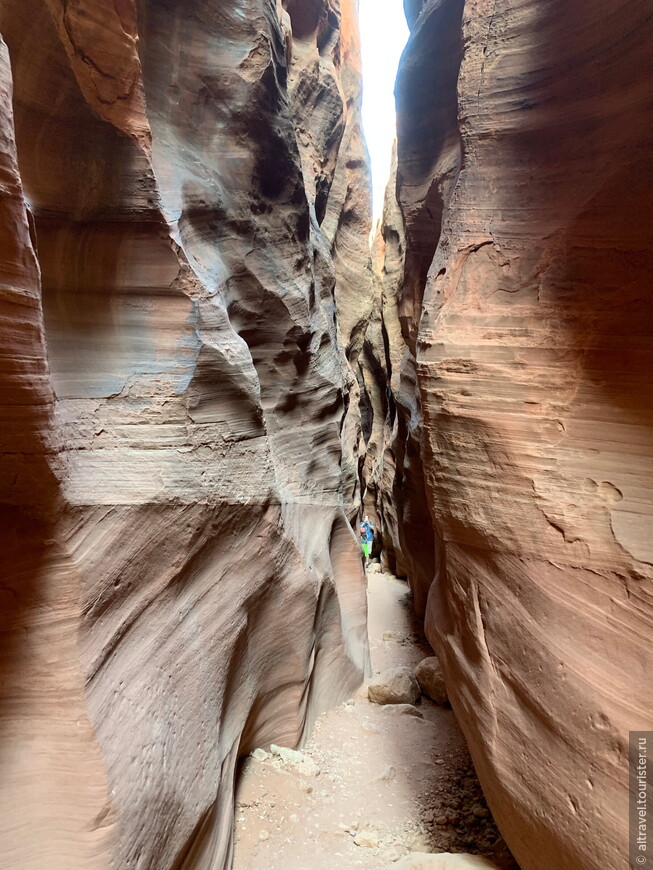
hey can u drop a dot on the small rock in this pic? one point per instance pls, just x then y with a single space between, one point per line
480 811
367 838
374 568
300 762
260 755
288 756
405 710
431 681
264 835
394 686
388 774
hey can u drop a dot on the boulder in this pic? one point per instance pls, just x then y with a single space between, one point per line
431 681
394 686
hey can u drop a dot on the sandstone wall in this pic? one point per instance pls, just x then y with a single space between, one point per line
393 470
525 191
184 206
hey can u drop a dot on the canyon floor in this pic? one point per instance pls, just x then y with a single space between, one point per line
373 783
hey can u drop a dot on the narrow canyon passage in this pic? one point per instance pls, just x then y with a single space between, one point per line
208 376
374 783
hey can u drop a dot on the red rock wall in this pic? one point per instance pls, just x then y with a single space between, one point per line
393 471
179 413
525 193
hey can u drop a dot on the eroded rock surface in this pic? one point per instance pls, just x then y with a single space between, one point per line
522 235
184 204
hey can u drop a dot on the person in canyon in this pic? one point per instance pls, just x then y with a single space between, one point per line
367 538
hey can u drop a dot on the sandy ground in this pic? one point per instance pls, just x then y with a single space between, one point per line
378 782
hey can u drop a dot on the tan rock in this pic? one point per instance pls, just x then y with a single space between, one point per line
367 838
431 680
394 686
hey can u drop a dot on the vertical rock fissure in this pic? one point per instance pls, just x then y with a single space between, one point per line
205 376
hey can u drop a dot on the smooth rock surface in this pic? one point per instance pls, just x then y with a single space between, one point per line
394 686
515 266
184 202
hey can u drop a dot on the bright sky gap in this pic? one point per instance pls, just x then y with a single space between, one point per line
383 35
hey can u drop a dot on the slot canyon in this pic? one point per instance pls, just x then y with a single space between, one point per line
209 375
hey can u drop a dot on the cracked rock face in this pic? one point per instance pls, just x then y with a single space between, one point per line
184 203
523 241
